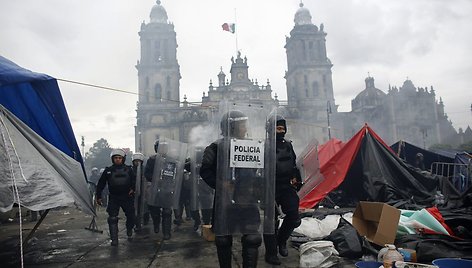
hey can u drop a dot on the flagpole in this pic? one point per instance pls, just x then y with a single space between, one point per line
236 31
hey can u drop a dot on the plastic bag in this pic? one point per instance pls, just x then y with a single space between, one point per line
346 240
318 254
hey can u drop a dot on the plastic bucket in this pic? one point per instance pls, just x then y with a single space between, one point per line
368 264
452 263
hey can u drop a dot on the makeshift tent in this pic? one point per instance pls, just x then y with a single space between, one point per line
39 153
37 173
36 100
329 149
367 169
408 152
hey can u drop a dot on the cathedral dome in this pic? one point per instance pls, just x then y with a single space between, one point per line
369 97
158 13
408 86
302 16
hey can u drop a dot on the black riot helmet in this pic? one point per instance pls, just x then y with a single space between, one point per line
156 145
231 121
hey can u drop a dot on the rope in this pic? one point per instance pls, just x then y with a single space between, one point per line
15 186
112 89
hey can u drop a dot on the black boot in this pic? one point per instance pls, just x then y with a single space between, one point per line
146 218
178 217
113 226
156 220
283 235
224 256
270 243
250 257
283 250
166 227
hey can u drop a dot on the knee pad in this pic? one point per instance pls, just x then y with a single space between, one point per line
252 240
166 212
112 220
224 241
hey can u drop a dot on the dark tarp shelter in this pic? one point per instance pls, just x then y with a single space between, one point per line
367 169
408 151
39 155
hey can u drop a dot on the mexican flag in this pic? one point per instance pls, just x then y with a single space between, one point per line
230 27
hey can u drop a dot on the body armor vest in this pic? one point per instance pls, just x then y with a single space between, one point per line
120 177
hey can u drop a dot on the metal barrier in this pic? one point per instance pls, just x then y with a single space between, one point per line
459 174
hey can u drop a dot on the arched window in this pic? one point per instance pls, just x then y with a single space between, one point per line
165 54
304 50
316 89
157 50
312 50
168 81
158 92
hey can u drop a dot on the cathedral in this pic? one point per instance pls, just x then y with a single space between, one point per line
406 113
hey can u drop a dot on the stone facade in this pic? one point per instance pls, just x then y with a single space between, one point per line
407 113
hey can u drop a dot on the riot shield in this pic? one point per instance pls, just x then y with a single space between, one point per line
202 195
245 183
309 166
139 194
168 174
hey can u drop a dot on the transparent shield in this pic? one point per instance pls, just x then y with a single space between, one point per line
308 164
140 192
168 174
245 171
202 195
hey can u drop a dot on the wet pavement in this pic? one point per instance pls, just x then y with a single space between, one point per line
62 241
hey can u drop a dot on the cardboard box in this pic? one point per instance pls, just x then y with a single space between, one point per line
207 233
376 221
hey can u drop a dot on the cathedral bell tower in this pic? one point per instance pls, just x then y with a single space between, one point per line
158 82
308 76
158 69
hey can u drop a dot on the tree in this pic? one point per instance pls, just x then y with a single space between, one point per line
99 154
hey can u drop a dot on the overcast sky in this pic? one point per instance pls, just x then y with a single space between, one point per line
97 42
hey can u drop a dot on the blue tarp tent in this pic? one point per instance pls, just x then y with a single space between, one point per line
40 162
37 101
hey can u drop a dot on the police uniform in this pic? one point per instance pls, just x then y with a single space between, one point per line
250 240
121 182
285 196
158 213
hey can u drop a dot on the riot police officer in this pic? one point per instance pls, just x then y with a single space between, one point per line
158 213
93 179
233 125
288 179
121 185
